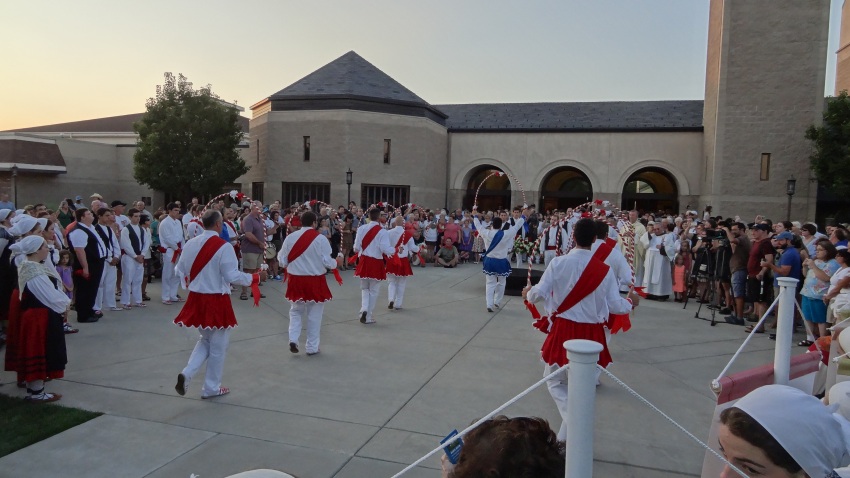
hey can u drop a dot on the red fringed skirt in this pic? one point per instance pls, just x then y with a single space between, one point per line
403 268
307 289
207 311
370 268
553 350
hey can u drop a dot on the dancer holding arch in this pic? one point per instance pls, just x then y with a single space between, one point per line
497 245
371 244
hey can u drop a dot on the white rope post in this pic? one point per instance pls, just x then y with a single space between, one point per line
784 330
581 400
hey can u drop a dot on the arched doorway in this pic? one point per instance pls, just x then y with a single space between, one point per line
494 194
651 190
564 188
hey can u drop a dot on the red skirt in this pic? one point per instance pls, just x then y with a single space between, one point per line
402 269
370 268
13 332
553 350
307 289
618 322
35 360
207 311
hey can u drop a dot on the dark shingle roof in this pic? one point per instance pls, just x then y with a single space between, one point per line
349 75
110 124
32 155
597 116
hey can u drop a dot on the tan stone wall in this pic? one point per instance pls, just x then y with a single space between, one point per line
769 90
608 159
350 139
842 67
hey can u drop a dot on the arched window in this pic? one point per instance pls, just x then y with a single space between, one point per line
651 190
564 188
494 194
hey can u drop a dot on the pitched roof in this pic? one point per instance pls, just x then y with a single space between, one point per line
349 75
110 124
679 115
31 154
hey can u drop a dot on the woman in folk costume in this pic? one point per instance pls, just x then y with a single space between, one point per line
498 243
306 257
41 340
6 275
398 266
207 266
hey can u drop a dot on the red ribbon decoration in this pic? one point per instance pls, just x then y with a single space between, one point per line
337 276
255 289
535 314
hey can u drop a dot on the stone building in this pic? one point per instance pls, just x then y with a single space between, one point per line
735 150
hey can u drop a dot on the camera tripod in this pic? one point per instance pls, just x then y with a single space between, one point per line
707 272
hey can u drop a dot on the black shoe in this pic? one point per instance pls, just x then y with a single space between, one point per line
489 310
772 336
181 384
363 317
731 319
726 310
87 320
391 305
293 347
145 298
262 296
98 314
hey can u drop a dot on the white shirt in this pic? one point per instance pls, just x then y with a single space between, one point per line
194 229
404 250
314 261
146 251
122 221
379 246
231 231
113 249
552 238
216 277
170 233
186 218
561 276
505 245
619 264
80 239
269 225
127 245
48 294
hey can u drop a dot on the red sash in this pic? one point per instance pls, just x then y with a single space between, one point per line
302 244
367 239
603 251
611 242
205 255
593 275
401 240
177 252
616 322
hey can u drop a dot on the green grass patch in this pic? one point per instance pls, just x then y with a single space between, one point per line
23 423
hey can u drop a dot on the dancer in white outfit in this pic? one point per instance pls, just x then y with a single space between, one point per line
497 245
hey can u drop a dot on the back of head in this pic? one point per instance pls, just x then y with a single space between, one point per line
497 223
308 219
585 232
374 214
171 206
511 447
601 230
210 218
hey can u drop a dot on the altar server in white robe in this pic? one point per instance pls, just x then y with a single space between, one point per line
660 253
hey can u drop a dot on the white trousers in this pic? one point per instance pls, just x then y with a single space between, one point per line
548 256
211 348
170 281
106 290
396 289
558 390
495 290
313 312
131 280
369 289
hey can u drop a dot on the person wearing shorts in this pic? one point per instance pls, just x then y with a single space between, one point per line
253 243
737 236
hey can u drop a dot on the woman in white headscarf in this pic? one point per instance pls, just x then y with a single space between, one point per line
41 340
780 431
6 240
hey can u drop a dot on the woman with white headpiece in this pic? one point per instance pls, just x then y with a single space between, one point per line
6 240
40 341
780 431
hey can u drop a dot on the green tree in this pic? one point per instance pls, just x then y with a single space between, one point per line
187 141
830 160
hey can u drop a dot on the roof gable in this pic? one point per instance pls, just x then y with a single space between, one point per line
110 124
349 75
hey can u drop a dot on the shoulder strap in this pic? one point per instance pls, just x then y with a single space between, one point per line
497 238
370 236
603 251
302 244
205 255
589 280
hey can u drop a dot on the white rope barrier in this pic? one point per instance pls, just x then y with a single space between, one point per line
479 422
715 384
669 419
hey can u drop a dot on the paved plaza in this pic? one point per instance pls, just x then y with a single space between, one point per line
377 397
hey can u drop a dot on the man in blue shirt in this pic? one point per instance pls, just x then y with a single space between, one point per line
5 203
789 264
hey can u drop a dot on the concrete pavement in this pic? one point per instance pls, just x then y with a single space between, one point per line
377 397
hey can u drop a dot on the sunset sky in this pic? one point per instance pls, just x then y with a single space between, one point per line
68 61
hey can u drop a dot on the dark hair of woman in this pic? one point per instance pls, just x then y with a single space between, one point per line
522 447
744 427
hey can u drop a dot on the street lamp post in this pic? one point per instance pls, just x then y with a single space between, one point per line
348 175
15 183
790 189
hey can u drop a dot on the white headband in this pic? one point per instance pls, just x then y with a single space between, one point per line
27 245
816 438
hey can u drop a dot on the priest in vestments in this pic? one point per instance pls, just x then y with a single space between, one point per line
660 253
633 235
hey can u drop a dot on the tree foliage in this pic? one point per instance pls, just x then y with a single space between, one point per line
187 141
830 160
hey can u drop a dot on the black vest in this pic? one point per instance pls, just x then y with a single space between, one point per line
92 250
107 238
